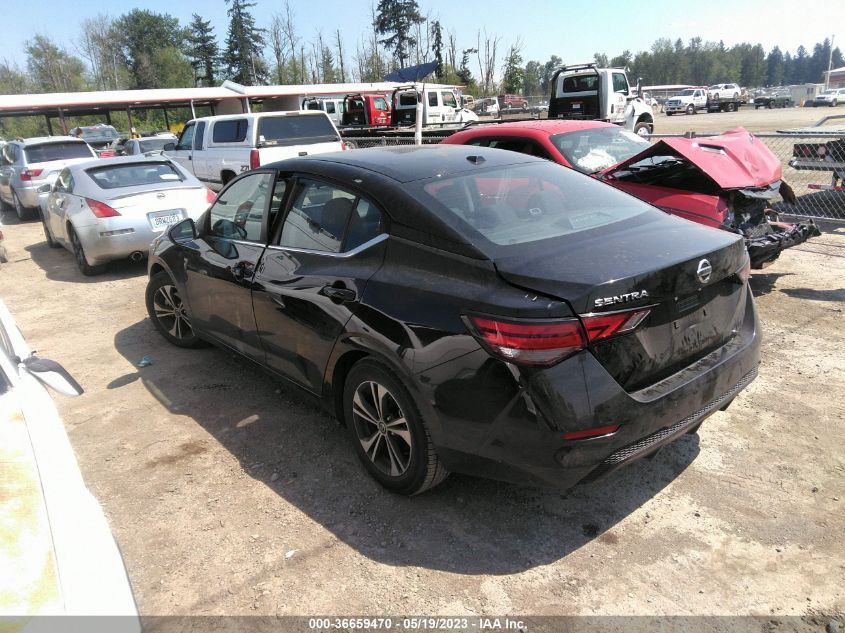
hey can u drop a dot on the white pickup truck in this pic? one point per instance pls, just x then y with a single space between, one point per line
217 148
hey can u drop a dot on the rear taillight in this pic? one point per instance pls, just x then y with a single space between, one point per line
529 342
29 174
548 342
745 272
100 209
254 159
603 326
210 196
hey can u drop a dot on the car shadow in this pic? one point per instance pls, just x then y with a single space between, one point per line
59 265
284 440
816 295
764 283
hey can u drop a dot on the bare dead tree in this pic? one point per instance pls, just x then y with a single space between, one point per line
291 41
487 59
278 44
452 50
339 45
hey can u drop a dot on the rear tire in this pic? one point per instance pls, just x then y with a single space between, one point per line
22 212
168 312
79 253
388 432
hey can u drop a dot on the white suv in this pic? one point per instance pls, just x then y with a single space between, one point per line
830 97
724 91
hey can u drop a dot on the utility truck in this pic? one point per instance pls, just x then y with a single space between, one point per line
587 92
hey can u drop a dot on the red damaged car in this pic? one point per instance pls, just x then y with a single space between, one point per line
726 181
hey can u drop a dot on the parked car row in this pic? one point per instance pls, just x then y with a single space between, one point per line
458 307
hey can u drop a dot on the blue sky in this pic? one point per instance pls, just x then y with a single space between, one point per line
573 31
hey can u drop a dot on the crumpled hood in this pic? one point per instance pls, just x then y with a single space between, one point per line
734 160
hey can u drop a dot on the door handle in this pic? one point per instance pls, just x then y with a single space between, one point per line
338 294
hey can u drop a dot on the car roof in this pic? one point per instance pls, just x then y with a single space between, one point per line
413 162
547 127
41 140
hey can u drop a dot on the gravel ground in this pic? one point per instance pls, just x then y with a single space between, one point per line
231 494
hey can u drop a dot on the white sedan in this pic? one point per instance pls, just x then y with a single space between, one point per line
113 208
57 553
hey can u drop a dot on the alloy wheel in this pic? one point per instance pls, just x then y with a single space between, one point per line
382 428
170 312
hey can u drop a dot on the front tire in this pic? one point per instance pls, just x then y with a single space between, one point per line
642 129
387 430
47 235
168 312
690 109
79 254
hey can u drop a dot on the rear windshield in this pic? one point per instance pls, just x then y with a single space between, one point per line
592 150
519 204
153 144
407 99
580 83
57 151
99 134
295 130
134 175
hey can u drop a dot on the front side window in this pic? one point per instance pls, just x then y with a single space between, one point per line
449 99
379 103
187 138
326 218
232 131
620 84
239 209
63 182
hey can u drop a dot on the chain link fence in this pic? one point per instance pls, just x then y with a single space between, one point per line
813 165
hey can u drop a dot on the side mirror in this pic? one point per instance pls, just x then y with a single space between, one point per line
169 147
50 373
45 188
182 232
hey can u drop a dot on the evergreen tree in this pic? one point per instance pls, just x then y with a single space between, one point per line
513 73
437 46
244 44
141 33
464 73
774 67
395 19
203 51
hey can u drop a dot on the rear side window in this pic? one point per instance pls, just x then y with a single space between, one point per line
505 206
294 129
233 131
432 98
57 151
134 175
326 218
200 135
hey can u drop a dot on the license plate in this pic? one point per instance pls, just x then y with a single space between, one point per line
163 219
576 106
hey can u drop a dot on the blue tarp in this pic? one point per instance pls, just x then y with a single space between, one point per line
412 73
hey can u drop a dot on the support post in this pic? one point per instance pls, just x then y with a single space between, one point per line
131 123
49 125
108 117
166 119
62 121
193 112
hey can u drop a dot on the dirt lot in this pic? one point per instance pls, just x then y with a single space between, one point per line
762 120
230 494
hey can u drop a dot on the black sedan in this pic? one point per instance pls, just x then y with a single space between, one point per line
467 309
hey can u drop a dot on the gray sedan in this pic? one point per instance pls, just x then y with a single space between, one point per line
110 209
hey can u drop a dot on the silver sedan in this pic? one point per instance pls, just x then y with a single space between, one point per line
111 209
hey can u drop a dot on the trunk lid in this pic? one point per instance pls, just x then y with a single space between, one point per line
162 207
654 264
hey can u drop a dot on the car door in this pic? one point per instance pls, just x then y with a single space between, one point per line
183 153
58 204
7 159
220 263
313 275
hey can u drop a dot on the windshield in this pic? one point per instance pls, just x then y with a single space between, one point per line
134 175
592 150
686 93
518 204
57 151
296 128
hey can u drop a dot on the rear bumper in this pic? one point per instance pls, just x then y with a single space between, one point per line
499 422
765 249
101 248
28 196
